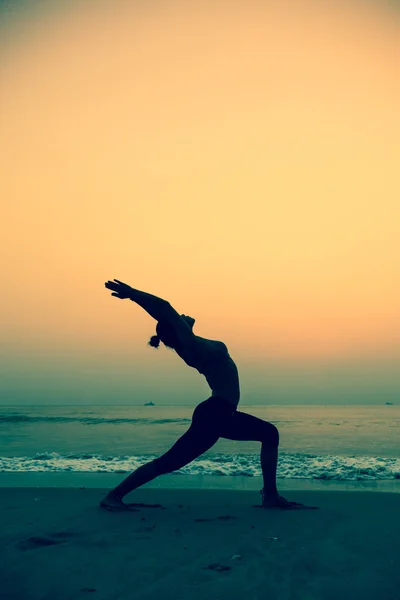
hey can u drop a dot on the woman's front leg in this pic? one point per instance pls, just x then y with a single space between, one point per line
189 446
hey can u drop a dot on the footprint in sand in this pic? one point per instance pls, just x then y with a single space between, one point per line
217 567
35 542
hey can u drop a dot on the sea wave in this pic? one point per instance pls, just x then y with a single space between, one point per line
302 466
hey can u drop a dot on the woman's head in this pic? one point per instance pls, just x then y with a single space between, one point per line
166 334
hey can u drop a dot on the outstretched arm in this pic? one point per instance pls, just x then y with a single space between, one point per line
156 307
159 309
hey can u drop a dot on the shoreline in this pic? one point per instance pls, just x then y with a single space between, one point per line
31 479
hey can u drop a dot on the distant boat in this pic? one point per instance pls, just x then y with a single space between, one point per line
391 403
149 404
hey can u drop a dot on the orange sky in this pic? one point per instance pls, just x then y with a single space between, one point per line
242 164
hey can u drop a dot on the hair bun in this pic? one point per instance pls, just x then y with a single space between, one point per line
154 341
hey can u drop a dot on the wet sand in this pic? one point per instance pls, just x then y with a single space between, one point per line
199 544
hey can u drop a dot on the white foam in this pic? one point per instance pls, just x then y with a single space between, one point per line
305 466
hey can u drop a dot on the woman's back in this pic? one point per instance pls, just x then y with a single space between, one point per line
211 359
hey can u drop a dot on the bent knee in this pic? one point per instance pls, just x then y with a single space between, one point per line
270 435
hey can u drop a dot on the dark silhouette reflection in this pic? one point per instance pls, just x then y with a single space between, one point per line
214 418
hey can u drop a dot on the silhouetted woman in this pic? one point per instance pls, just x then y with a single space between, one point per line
213 418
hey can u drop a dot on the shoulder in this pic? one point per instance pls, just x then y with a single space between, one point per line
181 328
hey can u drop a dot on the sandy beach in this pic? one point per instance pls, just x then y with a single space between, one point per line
57 544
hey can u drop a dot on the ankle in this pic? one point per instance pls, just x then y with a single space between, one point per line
269 492
114 495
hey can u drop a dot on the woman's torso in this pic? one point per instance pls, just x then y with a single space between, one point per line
211 358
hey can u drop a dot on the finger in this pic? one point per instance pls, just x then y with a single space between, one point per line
117 280
117 295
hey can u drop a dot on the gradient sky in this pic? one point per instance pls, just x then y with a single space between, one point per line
241 163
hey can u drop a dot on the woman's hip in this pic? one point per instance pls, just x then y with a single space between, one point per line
216 410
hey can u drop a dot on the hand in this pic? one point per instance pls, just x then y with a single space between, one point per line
122 290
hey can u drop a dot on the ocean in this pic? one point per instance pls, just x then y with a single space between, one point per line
347 443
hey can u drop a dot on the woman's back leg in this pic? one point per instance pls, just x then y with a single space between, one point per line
245 427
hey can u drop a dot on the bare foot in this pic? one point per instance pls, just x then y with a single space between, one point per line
277 501
113 503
